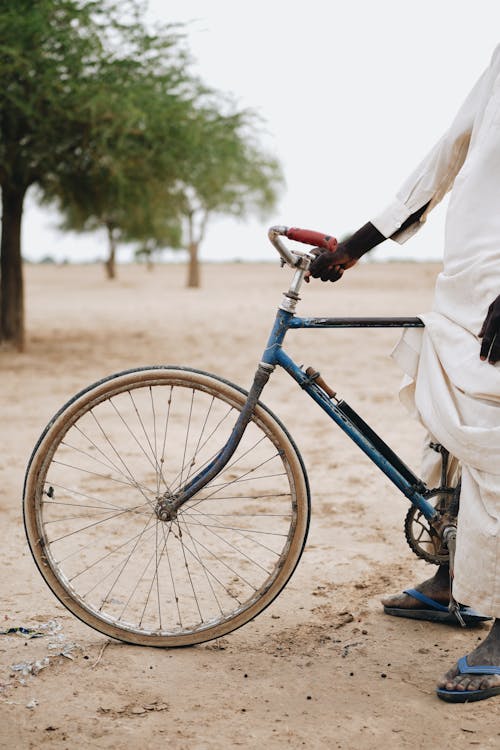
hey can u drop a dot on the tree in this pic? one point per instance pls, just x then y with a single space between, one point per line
40 52
126 182
228 173
183 161
102 116
65 98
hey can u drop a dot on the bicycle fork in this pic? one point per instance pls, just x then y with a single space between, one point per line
168 505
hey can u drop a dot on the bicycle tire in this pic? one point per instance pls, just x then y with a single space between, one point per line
90 494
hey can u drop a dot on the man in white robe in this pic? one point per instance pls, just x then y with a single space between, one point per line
452 379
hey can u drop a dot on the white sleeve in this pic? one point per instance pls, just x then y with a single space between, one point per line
435 175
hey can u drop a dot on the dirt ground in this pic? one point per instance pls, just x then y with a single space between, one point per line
322 667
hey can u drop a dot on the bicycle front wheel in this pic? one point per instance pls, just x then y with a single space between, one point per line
90 508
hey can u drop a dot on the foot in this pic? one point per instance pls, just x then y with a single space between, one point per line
437 588
486 654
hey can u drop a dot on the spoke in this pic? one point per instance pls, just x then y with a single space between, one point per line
103 557
154 579
91 525
167 418
127 470
186 564
238 515
101 511
242 532
91 565
231 528
248 479
239 456
133 484
109 464
174 589
125 563
156 466
92 543
211 573
133 435
242 497
193 458
229 466
235 481
215 498
183 464
158 598
232 546
82 494
152 556
222 562
204 568
211 458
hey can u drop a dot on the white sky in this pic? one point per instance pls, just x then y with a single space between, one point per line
353 93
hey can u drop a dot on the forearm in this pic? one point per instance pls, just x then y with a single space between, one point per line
368 236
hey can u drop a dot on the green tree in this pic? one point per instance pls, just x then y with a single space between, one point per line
42 46
126 178
183 162
65 104
227 173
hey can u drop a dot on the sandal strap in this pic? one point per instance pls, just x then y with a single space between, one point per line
426 600
465 668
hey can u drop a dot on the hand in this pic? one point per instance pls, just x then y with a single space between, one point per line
490 333
328 265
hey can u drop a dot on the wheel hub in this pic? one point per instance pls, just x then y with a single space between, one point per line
165 509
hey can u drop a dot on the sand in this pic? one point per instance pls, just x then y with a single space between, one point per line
322 667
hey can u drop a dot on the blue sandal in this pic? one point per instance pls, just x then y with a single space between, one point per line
464 696
435 612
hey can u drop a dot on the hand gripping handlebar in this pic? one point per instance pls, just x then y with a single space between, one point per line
306 236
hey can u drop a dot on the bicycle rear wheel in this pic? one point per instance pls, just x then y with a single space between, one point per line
91 490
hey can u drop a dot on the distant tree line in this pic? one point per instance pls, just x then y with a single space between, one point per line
103 117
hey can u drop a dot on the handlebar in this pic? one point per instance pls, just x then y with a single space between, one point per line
306 236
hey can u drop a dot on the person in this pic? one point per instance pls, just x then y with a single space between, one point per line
452 373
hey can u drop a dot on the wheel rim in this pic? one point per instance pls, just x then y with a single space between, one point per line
226 555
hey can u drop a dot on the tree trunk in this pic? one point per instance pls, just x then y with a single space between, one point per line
110 264
193 280
11 268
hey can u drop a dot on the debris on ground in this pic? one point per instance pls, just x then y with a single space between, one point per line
38 630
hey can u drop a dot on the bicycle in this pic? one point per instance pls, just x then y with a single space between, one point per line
166 506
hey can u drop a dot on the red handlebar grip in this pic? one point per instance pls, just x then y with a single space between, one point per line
309 237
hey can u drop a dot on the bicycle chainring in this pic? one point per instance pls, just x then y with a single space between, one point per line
422 538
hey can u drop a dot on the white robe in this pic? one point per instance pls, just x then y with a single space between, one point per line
455 394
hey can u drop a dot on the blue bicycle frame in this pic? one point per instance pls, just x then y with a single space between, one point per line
338 410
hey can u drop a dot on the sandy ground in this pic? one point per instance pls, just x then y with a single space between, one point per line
322 667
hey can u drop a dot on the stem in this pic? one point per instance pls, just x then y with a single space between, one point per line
193 281
11 269
110 264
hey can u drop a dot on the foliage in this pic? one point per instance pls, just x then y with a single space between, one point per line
89 102
124 177
104 118
227 173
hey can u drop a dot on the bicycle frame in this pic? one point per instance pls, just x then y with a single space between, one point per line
338 410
